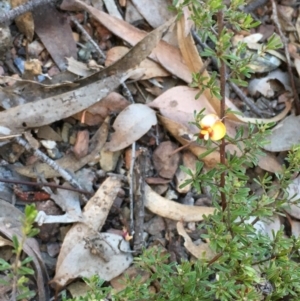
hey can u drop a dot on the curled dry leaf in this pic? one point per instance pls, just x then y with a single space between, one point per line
69 161
202 251
85 252
150 68
130 125
172 210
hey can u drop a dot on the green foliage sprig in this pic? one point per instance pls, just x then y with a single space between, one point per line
19 271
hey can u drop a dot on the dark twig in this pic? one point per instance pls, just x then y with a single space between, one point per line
64 173
287 55
36 184
29 6
100 52
248 101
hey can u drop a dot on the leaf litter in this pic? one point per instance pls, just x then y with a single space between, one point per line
94 125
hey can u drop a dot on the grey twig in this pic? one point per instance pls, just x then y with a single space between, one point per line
29 6
248 101
100 52
64 173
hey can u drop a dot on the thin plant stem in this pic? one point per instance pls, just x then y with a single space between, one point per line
222 107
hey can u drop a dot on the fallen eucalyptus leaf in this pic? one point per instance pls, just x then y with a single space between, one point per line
130 125
203 251
172 210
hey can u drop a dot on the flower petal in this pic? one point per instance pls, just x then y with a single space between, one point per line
218 131
209 120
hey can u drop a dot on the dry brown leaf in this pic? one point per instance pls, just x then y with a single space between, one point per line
81 146
24 22
150 68
77 247
172 210
270 163
55 33
130 125
164 161
203 251
69 162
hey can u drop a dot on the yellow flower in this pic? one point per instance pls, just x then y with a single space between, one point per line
212 128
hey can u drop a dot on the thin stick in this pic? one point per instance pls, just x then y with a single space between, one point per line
287 55
29 6
248 101
52 185
64 173
131 187
100 52
139 210
220 18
